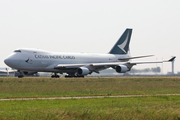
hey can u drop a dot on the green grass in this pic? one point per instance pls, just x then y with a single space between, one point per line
131 108
47 87
135 108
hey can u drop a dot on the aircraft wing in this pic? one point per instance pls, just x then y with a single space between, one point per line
170 60
128 58
59 66
96 67
92 67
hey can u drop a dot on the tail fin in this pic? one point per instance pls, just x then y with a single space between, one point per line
122 45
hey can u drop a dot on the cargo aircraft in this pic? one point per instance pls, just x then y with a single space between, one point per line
29 61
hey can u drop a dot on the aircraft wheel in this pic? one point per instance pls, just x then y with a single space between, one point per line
55 76
81 76
69 76
20 76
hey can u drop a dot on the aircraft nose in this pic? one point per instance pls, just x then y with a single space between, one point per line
13 63
7 61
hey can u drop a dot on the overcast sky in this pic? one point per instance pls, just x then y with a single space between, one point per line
92 26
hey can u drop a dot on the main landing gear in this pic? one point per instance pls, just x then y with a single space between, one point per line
68 76
55 76
73 75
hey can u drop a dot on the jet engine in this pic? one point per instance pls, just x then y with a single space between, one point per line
121 69
83 71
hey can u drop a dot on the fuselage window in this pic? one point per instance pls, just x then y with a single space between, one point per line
17 51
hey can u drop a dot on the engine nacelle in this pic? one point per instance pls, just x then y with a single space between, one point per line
83 71
121 69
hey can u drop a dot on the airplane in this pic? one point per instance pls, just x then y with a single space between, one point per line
29 61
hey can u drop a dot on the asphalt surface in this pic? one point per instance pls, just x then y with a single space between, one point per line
84 97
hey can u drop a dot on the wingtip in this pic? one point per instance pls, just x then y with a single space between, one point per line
172 59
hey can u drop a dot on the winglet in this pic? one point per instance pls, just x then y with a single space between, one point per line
172 59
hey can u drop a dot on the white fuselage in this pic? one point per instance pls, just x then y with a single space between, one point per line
44 61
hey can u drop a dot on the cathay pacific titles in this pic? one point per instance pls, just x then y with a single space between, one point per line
54 57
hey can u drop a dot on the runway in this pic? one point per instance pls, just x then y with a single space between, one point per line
85 97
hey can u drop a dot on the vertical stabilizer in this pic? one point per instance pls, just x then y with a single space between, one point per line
122 45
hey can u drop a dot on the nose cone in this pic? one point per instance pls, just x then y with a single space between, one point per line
13 63
8 62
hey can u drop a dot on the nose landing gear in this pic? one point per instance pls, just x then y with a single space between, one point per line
21 74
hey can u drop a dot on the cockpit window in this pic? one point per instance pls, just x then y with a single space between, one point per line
17 51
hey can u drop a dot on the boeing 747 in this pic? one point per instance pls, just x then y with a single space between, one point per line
30 61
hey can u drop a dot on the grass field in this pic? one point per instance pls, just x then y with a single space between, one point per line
134 108
47 87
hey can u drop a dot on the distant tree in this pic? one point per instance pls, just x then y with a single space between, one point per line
146 70
156 70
